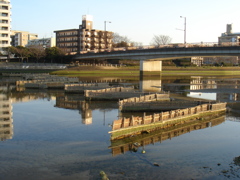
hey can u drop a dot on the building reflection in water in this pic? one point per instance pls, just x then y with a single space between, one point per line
6 120
86 112
85 107
218 89
140 142
197 82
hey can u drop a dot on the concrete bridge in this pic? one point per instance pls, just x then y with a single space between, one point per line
151 59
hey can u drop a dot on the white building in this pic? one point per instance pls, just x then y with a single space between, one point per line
44 42
5 25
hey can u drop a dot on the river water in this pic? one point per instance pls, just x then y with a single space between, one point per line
51 136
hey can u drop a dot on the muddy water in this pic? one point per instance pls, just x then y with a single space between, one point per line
54 136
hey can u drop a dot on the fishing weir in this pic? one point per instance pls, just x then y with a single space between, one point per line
127 127
81 87
155 103
139 142
117 93
46 81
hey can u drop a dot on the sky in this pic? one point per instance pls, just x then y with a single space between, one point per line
139 20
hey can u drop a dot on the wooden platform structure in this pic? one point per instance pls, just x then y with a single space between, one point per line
112 94
45 81
157 105
125 127
81 87
140 142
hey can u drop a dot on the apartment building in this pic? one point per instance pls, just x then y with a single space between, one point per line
21 38
84 38
5 21
44 42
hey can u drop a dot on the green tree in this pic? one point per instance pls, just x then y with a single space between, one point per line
53 53
10 51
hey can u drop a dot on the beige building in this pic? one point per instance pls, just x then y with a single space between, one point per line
44 42
21 38
84 39
197 60
5 21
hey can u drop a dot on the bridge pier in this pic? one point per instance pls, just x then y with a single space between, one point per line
150 66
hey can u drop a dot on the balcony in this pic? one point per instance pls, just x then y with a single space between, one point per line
4 21
4 7
5 39
87 34
4 11
4 2
87 40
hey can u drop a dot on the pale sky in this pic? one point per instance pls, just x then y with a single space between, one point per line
139 20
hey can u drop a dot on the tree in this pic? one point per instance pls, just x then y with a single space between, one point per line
37 52
19 51
9 52
120 41
158 40
136 44
53 53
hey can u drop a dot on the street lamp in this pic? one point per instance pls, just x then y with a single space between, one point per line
105 24
185 23
105 28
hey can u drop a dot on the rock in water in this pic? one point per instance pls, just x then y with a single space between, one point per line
103 175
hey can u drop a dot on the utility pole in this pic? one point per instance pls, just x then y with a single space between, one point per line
185 30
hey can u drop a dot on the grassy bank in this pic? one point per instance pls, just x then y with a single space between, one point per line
134 71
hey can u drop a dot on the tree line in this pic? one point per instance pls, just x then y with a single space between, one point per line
35 53
124 41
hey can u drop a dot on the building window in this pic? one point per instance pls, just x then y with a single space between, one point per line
5 14
4 28
4 35
5 21
4 42
5 7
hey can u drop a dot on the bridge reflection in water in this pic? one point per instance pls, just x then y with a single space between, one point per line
139 142
85 108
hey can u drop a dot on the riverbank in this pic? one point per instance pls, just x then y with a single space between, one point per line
133 71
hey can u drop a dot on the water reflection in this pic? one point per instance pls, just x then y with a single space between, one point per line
52 142
223 89
6 120
150 85
198 82
77 102
141 141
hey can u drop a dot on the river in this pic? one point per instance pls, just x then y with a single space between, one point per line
51 136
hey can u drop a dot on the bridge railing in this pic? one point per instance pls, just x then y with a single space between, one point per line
177 45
